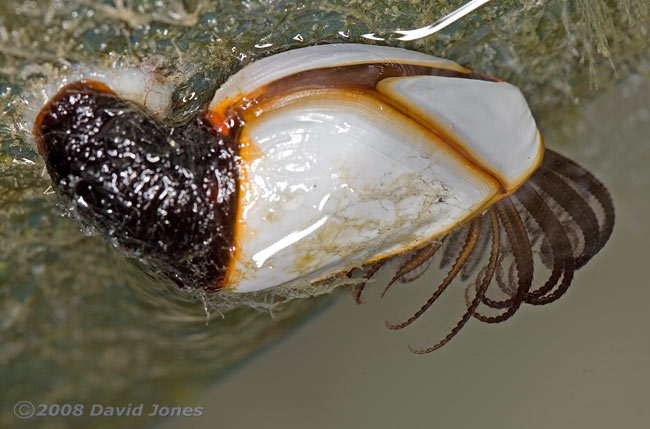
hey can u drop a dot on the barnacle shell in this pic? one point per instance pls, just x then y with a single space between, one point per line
309 164
353 153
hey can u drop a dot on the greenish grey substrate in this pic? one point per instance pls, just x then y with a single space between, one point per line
78 323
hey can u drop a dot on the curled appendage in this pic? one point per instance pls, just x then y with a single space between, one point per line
483 280
575 216
453 246
477 256
589 189
419 258
575 207
560 246
538 237
523 260
374 268
468 248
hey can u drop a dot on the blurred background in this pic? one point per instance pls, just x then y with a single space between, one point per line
81 324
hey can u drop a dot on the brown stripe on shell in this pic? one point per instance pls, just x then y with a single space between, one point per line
365 76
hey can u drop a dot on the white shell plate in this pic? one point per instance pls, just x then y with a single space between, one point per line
490 119
340 179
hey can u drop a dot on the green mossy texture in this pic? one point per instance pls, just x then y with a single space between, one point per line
79 323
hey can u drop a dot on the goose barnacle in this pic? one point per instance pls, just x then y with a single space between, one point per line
313 162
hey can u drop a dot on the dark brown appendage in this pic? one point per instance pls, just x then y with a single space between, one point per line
538 236
164 196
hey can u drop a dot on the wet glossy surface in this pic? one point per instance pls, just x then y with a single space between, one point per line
166 197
